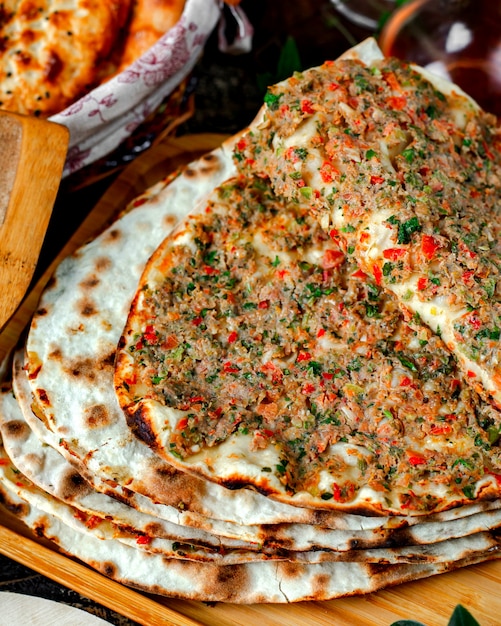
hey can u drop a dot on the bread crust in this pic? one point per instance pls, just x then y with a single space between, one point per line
52 52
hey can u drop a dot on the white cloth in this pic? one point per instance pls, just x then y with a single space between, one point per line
106 116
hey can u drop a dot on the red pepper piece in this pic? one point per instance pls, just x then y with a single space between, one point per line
307 107
422 283
429 245
377 273
393 254
143 540
336 492
416 459
332 259
397 102
359 274
441 430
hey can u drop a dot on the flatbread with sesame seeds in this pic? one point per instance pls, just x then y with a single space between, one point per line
51 50
54 52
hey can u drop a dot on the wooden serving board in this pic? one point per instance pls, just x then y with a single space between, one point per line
430 601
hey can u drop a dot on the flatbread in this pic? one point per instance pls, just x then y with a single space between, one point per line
54 52
257 355
65 418
276 582
51 50
402 165
70 364
148 21
46 468
176 543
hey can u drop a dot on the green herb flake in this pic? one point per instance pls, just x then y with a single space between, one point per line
409 155
406 229
272 100
407 363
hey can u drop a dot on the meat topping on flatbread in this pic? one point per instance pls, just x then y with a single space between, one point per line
252 322
410 177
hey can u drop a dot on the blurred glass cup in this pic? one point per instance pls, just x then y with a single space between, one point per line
365 13
457 39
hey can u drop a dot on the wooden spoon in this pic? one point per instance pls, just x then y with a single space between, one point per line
32 156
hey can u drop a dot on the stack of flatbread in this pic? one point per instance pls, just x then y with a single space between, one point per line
235 393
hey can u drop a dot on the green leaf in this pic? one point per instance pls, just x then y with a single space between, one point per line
289 60
407 363
288 63
272 100
406 229
462 617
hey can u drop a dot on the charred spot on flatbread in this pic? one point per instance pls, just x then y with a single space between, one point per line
19 509
41 527
102 263
234 483
72 485
56 354
108 569
113 235
98 416
169 221
224 580
320 585
88 368
291 571
139 422
43 398
87 307
17 430
176 488
90 282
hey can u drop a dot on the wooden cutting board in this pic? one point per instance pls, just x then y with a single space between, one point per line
430 601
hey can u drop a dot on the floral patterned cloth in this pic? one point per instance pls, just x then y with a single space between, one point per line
106 116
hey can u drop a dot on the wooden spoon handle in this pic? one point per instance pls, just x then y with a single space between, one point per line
33 153
11 133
